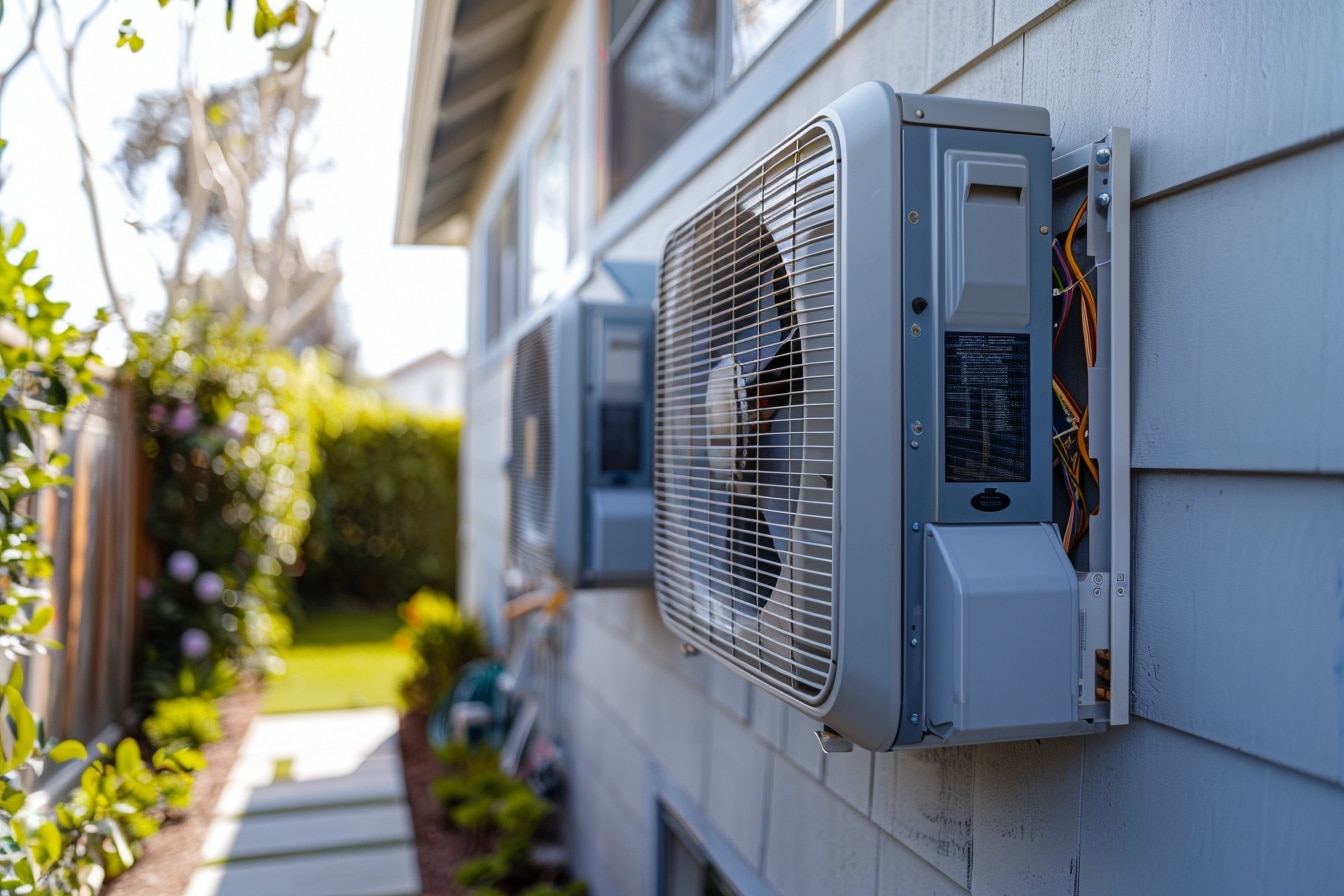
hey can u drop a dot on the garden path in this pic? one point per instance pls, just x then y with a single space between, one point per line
315 804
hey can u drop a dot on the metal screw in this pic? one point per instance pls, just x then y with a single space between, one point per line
689 650
1103 199
914 718
913 217
916 427
914 527
919 113
1119 592
1097 578
1044 230
1096 592
916 329
1104 155
914 642
914 444
1120 578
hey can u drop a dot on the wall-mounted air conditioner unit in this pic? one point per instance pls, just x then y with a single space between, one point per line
580 468
858 419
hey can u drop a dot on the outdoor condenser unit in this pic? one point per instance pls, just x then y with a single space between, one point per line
856 424
581 502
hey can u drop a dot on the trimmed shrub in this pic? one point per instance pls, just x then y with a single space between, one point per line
386 493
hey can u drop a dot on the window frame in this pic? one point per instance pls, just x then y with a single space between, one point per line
501 312
792 54
724 80
671 810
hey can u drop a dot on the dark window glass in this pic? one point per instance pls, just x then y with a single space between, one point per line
756 24
660 81
620 13
501 299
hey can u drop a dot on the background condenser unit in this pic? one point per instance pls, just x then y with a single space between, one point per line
580 502
857 500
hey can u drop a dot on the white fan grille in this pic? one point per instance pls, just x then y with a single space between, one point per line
745 421
532 458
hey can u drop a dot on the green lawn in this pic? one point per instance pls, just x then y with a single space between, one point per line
340 660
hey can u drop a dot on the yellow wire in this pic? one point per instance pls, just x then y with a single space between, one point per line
1089 315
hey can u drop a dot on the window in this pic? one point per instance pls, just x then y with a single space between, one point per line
551 208
685 869
501 286
670 60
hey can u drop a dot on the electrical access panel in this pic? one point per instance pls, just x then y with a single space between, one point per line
580 468
857 431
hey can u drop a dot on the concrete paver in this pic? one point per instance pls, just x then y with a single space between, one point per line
315 804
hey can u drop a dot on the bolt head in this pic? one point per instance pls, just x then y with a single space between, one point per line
914 718
916 329
1044 230
913 217
914 527
914 444
914 642
1103 199
1104 155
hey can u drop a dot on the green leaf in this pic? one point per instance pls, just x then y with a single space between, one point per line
15 235
25 730
67 750
137 43
42 617
129 760
49 838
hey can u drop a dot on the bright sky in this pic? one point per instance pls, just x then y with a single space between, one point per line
400 302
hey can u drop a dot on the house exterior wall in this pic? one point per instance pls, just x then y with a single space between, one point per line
435 384
1229 777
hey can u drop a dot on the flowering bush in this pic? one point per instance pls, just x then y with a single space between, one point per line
225 428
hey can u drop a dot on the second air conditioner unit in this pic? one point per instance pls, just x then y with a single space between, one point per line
581 505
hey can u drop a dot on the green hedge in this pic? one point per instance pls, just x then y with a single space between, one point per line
386 496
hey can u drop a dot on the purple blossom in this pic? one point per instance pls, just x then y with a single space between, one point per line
195 644
182 566
157 413
209 586
184 419
144 588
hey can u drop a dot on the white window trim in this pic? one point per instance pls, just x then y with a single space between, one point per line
665 798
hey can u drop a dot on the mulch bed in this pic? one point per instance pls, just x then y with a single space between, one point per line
438 847
170 855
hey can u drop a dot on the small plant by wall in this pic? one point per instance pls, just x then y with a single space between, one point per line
441 641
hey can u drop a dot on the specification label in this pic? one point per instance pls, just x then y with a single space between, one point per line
987 395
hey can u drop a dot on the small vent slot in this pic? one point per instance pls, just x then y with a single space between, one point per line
744 426
992 193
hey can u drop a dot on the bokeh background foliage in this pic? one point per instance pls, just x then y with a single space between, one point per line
273 479
386 497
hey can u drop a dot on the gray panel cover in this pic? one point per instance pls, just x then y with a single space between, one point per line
1002 627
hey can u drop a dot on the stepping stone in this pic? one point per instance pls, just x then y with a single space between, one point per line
382 871
244 795
281 833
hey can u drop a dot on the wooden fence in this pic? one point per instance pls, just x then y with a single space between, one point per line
94 531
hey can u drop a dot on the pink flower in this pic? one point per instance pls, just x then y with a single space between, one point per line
157 413
144 588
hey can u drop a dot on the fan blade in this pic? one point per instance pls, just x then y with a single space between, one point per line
753 561
779 461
